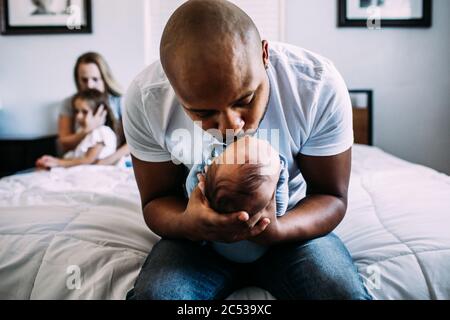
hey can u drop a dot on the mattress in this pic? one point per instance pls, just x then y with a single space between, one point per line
79 233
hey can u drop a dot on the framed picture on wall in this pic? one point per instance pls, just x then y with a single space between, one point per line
384 13
25 17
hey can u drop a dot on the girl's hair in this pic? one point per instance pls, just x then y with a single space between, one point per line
95 99
111 85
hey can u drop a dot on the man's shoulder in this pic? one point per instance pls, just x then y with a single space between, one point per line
152 77
299 61
150 88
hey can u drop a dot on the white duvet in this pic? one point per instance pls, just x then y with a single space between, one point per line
79 233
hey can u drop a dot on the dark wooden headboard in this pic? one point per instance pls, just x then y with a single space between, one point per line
362 101
21 154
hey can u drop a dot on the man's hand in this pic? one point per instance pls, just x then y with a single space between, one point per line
202 223
170 215
270 235
95 121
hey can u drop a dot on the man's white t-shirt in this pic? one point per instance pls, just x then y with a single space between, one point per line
309 105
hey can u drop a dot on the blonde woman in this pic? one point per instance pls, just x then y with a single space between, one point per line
92 72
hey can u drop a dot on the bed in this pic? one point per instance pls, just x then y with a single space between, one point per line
78 233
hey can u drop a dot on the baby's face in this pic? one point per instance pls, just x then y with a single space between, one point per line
253 151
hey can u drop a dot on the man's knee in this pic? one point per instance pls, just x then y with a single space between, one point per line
175 290
318 269
178 270
336 276
161 290
342 287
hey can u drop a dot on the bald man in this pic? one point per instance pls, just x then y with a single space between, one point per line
217 75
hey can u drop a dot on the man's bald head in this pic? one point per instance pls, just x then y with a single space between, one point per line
209 42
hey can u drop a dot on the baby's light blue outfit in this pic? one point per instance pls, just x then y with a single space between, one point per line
242 251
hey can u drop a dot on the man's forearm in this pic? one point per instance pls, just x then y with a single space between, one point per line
164 216
313 217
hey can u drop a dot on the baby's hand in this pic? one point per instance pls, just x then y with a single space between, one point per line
47 162
201 182
271 234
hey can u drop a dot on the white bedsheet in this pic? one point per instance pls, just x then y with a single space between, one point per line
87 219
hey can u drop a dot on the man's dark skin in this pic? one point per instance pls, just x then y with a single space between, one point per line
225 85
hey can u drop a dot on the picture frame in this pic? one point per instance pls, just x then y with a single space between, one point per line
36 17
385 13
362 104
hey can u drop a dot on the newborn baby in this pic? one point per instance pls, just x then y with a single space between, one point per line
245 177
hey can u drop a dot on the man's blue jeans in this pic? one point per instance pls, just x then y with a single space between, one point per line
182 270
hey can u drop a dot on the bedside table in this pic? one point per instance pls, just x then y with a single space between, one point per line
21 154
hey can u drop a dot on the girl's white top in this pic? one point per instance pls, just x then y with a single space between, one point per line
102 135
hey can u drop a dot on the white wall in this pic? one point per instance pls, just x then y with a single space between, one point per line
267 14
36 72
408 69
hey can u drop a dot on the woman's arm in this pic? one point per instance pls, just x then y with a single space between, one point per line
70 140
115 157
67 139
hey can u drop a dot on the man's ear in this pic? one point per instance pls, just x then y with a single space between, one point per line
266 57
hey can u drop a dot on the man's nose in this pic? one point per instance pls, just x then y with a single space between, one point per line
231 120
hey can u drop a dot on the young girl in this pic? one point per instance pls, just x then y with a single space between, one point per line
99 144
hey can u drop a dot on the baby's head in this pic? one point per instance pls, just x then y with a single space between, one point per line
244 177
86 103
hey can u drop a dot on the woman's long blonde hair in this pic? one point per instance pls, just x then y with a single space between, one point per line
111 85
